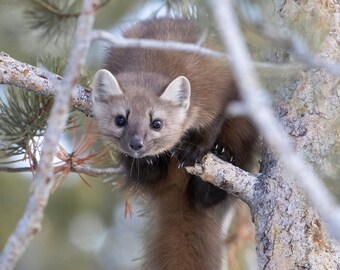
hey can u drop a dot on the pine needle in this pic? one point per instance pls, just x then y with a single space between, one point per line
53 18
23 118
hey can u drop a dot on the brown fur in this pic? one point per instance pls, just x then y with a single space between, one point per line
211 84
186 213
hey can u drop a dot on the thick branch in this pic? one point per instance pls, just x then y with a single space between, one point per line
30 223
257 104
20 74
226 176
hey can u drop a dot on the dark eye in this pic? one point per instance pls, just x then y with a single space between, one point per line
156 124
120 121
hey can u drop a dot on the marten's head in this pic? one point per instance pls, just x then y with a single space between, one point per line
140 114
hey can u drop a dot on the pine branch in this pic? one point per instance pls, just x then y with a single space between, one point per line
23 115
23 119
54 18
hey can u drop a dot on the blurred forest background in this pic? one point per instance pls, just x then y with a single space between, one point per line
84 227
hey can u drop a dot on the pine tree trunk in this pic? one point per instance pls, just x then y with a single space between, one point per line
289 233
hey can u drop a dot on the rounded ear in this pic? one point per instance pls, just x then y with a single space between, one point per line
104 85
178 92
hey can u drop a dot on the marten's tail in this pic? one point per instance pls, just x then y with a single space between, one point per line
183 236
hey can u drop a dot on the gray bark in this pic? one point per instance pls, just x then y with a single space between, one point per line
290 235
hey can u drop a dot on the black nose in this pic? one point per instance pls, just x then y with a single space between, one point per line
136 144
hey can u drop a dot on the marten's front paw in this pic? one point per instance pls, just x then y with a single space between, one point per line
223 152
188 154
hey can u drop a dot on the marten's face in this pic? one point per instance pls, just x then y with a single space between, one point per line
139 122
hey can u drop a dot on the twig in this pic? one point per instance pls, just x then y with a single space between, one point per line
97 171
118 41
30 223
15 170
88 170
259 111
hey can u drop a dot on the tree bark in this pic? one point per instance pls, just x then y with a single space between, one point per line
290 235
310 111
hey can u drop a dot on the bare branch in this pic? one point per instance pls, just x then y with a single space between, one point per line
226 176
97 171
258 108
15 170
30 223
88 170
20 74
118 41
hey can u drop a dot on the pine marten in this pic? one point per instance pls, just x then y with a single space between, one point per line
163 110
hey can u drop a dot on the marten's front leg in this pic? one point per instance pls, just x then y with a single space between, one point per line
195 144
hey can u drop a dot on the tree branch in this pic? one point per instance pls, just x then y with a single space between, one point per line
30 223
118 41
41 81
88 170
226 176
97 171
15 169
258 109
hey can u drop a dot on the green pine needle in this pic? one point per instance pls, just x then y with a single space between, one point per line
57 64
24 114
23 118
54 18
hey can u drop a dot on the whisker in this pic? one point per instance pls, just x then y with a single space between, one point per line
138 168
131 169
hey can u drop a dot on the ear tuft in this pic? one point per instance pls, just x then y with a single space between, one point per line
178 92
104 85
